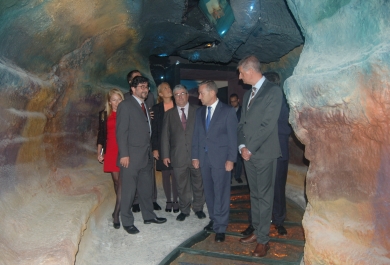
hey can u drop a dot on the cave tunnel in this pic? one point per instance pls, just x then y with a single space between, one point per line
59 58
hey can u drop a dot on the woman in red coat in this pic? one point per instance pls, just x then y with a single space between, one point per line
108 147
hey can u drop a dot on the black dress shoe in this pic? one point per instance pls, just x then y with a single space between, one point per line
239 180
131 229
135 208
182 217
117 225
156 207
156 220
249 230
200 214
281 230
219 237
209 227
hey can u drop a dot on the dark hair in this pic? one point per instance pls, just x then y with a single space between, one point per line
234 95
139 80
273 77
130 75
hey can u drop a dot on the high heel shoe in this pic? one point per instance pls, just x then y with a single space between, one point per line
175 207
116 225
168 207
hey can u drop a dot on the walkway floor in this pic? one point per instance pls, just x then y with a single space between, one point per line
202 249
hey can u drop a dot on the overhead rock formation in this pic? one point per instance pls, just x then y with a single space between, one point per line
339 98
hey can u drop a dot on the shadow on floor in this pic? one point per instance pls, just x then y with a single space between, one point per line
202 249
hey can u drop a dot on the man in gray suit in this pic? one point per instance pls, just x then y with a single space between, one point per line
178 127
149 101
214 150
259 147
135 156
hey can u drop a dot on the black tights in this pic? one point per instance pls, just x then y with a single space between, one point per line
167 184
117 186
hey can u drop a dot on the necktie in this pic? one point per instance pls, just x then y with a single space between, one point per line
143 108
208 118
183 119
252 96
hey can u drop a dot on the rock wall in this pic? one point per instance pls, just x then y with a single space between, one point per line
339 96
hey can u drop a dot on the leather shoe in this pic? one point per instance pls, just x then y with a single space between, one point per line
261 250
156 220
249 230
239 180
200 214
117 225
219 237
209 227
131 229
182 217
249 239
281 230
135 208
156 207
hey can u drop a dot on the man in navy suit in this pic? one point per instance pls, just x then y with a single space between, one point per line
214 150
235 103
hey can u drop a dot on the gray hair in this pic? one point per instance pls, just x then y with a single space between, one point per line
210 85
179 86
248 62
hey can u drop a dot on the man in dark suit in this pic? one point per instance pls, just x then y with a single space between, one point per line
284 131
149 101
178 127
259 147
214 150
235 103
133 133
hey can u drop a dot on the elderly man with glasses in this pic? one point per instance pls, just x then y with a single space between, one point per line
178 127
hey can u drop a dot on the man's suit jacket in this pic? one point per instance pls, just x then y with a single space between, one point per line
258 127
220 140
238 113
133 133
175 141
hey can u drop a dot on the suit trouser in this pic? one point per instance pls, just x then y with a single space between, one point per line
216 183
137 179
136 200
279 207
189 185
261 178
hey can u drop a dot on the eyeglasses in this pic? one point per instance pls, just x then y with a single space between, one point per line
180 94
143 87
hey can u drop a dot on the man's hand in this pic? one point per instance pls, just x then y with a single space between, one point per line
124 161
246 154
229 165
166 161
155 154
195 163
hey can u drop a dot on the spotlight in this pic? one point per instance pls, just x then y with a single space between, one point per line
162 77
177 62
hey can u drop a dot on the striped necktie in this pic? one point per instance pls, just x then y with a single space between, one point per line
252 96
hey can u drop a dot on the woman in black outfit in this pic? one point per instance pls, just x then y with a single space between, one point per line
164 103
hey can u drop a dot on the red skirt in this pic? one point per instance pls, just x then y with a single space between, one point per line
111 156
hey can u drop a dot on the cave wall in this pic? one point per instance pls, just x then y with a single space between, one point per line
339 99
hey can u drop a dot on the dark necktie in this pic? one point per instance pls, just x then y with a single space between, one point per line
143 108
208 118
252 96
183 119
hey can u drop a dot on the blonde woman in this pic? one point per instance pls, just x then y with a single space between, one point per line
107 147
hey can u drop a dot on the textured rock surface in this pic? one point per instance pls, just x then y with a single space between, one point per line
339 97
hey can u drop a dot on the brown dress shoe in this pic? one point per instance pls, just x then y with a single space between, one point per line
251 239
261 250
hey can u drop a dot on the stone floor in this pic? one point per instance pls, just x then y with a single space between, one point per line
184 242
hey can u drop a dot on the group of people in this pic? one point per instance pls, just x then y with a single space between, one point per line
196 149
